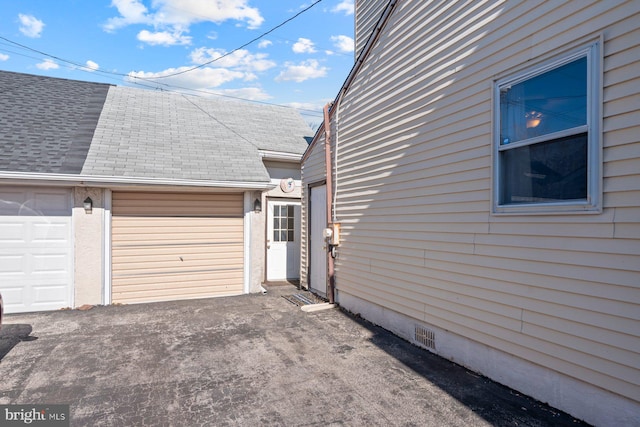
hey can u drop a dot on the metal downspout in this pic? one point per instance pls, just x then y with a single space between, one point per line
331 217
329 186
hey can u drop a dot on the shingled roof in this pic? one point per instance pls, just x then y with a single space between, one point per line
50 125
46 124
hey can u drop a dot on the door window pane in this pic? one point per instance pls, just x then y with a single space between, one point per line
283 223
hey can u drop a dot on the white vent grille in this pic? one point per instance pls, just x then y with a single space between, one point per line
425 337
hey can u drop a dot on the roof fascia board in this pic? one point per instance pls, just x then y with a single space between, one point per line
280 156
114 181
382 22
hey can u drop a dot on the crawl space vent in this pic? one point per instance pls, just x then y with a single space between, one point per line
425 337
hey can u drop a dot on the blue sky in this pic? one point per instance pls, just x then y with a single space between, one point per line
301 64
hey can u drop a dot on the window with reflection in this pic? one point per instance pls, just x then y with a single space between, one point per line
546 147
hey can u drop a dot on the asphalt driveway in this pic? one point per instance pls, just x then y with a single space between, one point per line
248 360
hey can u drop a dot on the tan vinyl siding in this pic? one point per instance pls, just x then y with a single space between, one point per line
414 188
168 246
368 13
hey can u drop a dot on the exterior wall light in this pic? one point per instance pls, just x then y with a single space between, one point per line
257 205
88 205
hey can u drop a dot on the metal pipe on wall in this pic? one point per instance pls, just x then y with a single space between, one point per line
329 186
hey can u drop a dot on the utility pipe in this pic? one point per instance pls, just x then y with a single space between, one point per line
329 186
331 217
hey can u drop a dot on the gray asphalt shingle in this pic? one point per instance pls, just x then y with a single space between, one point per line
46 125
73 127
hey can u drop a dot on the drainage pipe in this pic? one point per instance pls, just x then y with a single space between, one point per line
331 213
329 185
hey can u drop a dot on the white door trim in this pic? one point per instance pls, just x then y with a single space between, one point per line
106 253
317 221
248 238
292 250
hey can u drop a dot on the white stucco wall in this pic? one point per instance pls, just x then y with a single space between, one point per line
88 241
277 171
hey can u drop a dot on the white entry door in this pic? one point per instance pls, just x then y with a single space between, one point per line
317 243
283 240
36 249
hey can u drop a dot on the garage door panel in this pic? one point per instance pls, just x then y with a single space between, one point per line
54 203
142 232
153 225
11 230
156 269
171 295
166 281
34 232
51 232
146 221
11 265
24 201
192 286
175 246
179 211
178 243
14 299
178 204
175 238
51 264
46 295
167 252
187 262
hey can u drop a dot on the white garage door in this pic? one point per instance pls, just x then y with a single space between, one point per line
36 262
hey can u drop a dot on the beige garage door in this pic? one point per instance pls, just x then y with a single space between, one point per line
169 246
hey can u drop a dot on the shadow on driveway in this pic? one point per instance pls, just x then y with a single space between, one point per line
11 335
494 403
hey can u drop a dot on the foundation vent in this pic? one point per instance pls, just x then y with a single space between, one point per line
425 337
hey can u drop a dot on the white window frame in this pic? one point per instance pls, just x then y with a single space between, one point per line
592 204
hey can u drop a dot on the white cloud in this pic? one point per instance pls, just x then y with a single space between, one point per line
131 12
305 70
92 66
303 46
31 26
240 59
180 14
3 57
344 44
201 78
251 93
311 106
345 6
264 43
48 64
163 38
205 84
